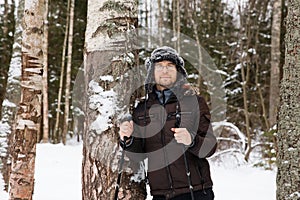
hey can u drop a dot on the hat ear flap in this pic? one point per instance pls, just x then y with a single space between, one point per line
148 63
181 61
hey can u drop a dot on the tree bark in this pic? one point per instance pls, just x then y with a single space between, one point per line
288 159
45 77
104 56
28 120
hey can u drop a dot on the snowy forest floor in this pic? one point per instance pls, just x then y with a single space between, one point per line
58 177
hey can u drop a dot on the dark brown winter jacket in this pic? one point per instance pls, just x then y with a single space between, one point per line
153 139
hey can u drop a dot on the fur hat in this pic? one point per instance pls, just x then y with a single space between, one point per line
160 54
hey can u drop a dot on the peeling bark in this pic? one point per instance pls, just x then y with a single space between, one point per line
27 129
29 115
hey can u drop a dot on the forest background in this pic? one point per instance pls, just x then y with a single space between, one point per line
245 40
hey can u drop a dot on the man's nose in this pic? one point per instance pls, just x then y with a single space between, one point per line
165 69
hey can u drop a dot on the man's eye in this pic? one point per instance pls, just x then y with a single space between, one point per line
168 67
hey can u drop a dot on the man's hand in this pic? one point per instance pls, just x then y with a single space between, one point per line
126 129
182 136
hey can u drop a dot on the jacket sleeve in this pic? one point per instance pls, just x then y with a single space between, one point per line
134 147
205 143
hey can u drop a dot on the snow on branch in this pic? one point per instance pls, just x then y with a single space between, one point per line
236 130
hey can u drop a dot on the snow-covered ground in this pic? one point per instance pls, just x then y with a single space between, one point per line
58 177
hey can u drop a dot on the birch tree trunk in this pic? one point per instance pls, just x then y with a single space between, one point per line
178 26
12 96
275 62
68 74
288 159
104 58
174 20
28 120
45 77
56 131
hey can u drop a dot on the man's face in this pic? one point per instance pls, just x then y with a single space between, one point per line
165 74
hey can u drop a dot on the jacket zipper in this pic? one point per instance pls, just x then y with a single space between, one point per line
164 143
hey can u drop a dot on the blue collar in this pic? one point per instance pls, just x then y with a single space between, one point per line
164 95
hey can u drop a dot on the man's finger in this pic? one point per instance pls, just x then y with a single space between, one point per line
176 130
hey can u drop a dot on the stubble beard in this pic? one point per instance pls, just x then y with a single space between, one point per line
165 84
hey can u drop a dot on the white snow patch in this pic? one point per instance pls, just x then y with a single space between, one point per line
22 123
107 78
105 103
94 87
251 50
58 176
4 128
58 172
234 184
7 103
238 67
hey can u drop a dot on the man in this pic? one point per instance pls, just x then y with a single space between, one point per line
172 129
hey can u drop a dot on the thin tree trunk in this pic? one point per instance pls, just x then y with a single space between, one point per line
258 85
275 62
56 132
261 97
28 120
191 14
174 22
45 77
244 62
166 9
288 134
160 22
68 74
148 20
178 25
246 112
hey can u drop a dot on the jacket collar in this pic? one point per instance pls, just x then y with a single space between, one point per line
175 94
